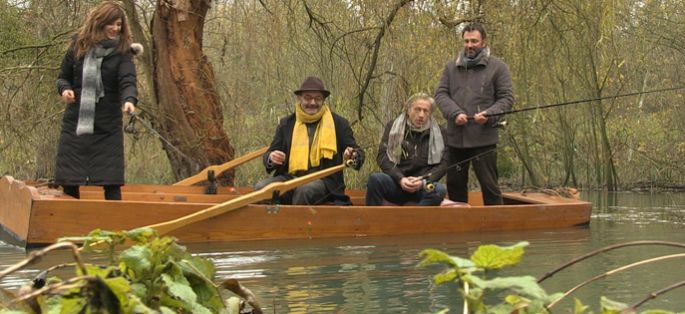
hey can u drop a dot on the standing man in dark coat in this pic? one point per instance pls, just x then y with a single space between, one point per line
473 87
412 156
312 139
97 81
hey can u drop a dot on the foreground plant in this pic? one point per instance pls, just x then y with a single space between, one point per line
525 293
155 275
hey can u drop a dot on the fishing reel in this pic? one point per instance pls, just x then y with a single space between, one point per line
352 162
428 186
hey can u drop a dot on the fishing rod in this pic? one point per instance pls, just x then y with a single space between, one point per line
580 101
430 186
131 129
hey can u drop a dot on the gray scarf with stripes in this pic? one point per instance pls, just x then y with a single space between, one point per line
397 132
92 89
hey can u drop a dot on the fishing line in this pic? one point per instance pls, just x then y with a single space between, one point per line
582 101
131 129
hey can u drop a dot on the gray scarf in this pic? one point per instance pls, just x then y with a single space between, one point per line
435 141
466 62
92 89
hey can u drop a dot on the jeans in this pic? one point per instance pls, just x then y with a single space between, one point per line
382 187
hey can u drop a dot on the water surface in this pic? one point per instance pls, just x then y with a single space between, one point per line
379 274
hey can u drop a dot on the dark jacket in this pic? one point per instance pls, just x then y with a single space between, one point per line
414 161
98 158
335 183
485 86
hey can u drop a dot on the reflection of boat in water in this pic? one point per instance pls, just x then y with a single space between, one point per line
31 215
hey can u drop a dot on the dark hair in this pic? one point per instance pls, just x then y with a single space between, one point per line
475 26
92 30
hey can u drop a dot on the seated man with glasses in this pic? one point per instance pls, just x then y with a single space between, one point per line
311 139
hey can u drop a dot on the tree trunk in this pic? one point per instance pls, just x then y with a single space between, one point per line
191 117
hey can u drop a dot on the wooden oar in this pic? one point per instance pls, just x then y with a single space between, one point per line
219 169
265 193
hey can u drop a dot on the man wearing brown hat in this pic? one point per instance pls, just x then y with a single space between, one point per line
311 139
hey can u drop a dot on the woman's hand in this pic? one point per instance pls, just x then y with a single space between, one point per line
68 96
129 107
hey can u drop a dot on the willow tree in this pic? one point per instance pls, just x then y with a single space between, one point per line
190 114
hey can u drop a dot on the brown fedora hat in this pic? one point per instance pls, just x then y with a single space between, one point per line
313 84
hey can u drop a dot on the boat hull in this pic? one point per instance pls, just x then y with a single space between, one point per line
31 217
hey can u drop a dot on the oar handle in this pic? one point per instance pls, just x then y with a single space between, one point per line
243 200
219 169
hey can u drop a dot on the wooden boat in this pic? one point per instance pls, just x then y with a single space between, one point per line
33 215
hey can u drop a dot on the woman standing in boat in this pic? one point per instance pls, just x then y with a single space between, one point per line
97 81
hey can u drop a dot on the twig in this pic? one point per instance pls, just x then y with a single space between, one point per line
654 294
64 285
605 249
376 50
36 256
234 286
613 271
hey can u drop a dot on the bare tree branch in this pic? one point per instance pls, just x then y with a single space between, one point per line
376 50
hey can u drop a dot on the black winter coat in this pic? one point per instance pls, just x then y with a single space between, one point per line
415 161
335 183
98 158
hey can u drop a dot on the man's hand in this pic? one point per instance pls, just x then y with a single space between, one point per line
349 153
411 184
277 157
461 119
68 96
481 117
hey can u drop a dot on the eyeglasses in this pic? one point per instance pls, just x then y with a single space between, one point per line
308 98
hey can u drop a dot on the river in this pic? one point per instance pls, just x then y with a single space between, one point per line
379 274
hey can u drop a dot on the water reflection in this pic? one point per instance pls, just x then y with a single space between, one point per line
378 275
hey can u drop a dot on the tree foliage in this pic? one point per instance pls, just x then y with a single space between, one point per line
373 54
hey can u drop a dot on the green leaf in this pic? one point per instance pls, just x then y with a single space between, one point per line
141 234
137 259
445 276
579 307
120 287
198 272
52 305
525 285
233 305
657 312
73 305
166 310
610 306
433 256
139 290
496 257
502 309
180 289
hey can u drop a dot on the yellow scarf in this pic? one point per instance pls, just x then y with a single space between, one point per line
324 144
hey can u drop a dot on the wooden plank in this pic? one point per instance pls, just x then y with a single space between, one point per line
16 199
50 219
219 169
154 188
